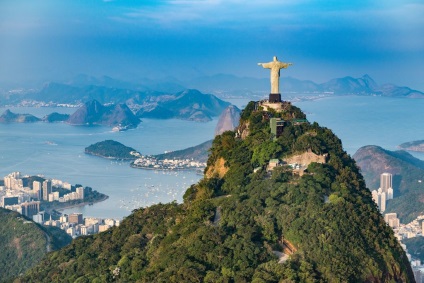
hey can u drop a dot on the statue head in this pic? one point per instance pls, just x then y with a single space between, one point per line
275 58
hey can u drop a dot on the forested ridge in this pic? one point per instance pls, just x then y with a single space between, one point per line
23 243
234 222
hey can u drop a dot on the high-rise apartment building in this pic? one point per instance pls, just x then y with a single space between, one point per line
47 189
385 181
380 199
80 192
31 208
76 218
37 189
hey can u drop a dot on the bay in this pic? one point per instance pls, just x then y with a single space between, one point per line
56 150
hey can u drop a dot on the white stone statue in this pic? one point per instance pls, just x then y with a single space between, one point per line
275 67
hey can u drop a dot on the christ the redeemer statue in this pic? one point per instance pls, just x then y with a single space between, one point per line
275 67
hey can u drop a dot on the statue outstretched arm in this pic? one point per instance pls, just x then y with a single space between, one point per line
266 65
285 65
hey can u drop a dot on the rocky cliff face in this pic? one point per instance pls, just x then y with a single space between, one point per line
228 120
94 113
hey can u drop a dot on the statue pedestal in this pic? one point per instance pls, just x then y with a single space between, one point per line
274 98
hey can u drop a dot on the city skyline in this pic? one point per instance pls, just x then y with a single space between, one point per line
51 40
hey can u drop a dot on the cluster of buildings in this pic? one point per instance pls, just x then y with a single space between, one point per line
76 225
150 162
35 103
385 192
406 231
22 194
402 231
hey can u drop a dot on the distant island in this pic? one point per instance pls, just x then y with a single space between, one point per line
413 146
55 117
112 150
10 117
190 158
95 113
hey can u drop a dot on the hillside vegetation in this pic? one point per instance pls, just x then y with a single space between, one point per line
111 149
241 226
23 243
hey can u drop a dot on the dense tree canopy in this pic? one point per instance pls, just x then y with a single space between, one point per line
232 225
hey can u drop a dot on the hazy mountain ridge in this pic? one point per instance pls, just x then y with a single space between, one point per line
198 153
348 85
407 172
189 104
105 89
94 113
413 146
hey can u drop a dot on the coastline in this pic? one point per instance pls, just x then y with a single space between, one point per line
84 203
167 169
109 157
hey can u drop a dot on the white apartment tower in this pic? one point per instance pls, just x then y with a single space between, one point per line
380 199
47 189
37 189
385 181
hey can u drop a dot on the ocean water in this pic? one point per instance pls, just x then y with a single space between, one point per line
360 121
57 150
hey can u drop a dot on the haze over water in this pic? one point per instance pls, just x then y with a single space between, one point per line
57 150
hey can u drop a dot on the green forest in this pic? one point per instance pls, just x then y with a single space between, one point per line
235 223
23 243
111 149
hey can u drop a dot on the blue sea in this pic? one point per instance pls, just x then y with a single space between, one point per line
57 150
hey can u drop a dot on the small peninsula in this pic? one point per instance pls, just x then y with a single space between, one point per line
413 146
112 150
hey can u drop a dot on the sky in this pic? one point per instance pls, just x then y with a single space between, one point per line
50 40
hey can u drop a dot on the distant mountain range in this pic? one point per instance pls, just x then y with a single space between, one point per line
146 92
364 85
